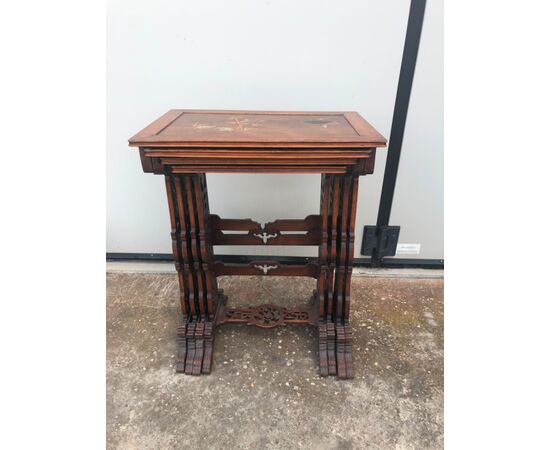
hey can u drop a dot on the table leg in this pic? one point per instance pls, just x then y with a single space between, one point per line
192 251
338 206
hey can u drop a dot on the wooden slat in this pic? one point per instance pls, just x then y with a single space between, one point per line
256 238
293 154
311 222
217 223
260 169
188 161
267 268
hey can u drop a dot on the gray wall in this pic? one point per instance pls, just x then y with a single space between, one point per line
283 55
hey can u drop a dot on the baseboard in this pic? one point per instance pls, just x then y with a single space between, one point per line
390 263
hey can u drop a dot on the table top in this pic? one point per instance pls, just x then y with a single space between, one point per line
181 128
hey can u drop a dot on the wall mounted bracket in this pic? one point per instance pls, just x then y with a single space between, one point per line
382 240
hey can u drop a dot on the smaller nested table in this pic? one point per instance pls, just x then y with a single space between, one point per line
184 145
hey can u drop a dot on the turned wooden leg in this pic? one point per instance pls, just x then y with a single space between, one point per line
192 251
338 204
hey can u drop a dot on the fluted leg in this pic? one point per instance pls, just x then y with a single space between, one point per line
192 251
338 203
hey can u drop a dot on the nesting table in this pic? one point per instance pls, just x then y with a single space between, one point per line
185 145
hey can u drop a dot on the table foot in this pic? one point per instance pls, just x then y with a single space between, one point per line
195 341
335 346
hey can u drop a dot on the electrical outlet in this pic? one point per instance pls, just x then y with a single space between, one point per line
408 249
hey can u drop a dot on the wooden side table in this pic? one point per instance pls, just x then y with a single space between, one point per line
184 145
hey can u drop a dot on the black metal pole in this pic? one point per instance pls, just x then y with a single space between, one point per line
406 76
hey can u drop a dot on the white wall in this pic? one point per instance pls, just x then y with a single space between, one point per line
280 55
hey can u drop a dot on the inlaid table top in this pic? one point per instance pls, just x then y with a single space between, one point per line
184 128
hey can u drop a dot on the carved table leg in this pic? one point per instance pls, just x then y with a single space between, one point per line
338 205
192 251
201 302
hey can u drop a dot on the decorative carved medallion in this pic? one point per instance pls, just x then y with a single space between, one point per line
264 236
265 268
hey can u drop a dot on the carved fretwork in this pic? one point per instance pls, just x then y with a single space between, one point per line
266 316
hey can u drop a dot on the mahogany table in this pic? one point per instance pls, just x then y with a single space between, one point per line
184 145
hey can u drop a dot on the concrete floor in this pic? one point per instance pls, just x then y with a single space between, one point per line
264 391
